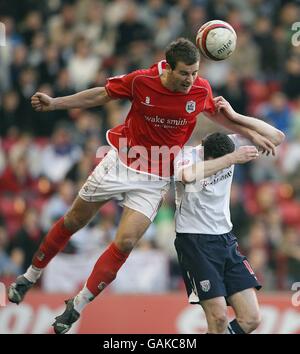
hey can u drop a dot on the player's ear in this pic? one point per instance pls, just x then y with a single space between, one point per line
168 68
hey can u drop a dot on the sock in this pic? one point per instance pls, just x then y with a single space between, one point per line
105 269
235 328
32 274
82 299
56 239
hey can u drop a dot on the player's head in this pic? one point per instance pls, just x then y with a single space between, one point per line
217 145
182 58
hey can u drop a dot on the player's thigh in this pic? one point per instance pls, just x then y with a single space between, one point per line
132 226
245 305
80 213
215 309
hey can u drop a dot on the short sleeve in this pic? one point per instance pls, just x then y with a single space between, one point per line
187 156
121 86
209 102
240 140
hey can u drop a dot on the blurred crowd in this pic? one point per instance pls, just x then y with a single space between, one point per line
60 47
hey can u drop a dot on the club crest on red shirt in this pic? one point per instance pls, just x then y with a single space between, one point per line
190 106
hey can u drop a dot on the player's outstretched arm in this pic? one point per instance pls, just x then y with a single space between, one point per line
85 99
276 136
204 169
263 143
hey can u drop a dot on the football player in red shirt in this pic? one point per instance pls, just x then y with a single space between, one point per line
165 102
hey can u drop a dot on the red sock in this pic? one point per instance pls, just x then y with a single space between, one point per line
105 269
56 239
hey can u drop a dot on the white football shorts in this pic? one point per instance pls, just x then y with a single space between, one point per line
112 180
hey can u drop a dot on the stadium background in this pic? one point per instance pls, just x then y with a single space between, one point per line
60 47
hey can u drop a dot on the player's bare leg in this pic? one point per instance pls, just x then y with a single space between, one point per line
246 308
133 225
77 217
216 315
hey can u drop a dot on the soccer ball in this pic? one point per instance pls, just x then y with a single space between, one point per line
216 40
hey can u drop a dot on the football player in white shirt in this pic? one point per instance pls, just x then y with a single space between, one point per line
214 271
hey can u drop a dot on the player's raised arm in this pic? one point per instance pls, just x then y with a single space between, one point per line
266 130
85 99
203 169
263 143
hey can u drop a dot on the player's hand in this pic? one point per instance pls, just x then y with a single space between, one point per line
245 154
224 106
262 143
42 102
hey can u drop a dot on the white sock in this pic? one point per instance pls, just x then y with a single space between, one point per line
83 298
33 273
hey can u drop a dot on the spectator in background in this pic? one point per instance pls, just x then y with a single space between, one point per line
239 216
50 66
290 248
19 62
10 113
58 204
16 178
277 111
83 65
263 36
291 82
28 238
235 92
245 60
9 266
60 156
130 29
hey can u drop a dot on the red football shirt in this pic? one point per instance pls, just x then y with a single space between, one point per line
158 118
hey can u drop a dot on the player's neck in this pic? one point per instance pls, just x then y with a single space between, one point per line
166 82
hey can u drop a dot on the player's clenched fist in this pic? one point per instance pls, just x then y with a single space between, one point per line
42 102
245 154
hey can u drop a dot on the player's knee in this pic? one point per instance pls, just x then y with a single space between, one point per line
217 322
126 243
250 322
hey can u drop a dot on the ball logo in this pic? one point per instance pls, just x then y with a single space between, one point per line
225 47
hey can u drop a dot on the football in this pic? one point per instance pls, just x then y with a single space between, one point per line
216 40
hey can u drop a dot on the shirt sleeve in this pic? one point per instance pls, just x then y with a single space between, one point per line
209 102
240 140
187 156
121 86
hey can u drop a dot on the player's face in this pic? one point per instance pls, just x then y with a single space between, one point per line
183 76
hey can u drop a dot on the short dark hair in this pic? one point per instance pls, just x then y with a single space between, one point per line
217 145
182 50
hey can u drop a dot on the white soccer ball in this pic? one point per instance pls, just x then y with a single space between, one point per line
216 40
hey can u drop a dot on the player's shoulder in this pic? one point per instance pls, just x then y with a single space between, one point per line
189 154
200 82
239 140
152 71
